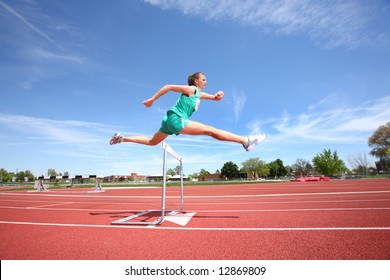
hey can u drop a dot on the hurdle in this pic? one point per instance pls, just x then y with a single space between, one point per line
130 220
39 186
98 186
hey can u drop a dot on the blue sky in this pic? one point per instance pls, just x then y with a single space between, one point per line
312 75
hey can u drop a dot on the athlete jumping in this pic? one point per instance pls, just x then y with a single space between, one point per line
177 121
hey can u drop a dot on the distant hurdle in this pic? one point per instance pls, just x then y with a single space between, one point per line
98 185
130 220
39 186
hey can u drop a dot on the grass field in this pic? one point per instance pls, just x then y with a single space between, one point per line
55 185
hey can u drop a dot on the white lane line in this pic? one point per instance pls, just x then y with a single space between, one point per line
204 229
48 205
198 210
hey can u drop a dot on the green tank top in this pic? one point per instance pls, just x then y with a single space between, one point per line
185 105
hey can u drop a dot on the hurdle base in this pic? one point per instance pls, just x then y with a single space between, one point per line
163 211
127 220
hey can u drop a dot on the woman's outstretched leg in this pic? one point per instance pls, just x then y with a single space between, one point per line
196 128
157 138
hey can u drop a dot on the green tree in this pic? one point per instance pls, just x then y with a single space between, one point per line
177 170
174 171
263 170
204 172
250 166
277 169
380 142
20 176
29 175
51 172
230 170
255 167
328 163
171 172
5 176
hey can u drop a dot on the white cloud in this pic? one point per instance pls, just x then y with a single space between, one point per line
29 25
239 100
45 55
337 23
254 127
52 131
335 123
45 46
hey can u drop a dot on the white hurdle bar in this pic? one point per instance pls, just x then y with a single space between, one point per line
128 220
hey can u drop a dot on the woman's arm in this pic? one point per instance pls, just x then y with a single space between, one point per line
218 96
187 90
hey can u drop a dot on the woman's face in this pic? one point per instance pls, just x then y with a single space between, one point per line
201 81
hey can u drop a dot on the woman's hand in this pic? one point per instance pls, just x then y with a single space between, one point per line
148 103
218 96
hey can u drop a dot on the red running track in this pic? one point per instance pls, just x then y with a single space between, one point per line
295 221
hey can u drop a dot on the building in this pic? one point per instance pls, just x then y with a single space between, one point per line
211 177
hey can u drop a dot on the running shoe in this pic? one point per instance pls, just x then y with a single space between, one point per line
253 140
116 139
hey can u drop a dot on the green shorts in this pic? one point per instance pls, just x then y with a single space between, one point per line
173 124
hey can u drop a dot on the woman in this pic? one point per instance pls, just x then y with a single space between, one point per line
177 121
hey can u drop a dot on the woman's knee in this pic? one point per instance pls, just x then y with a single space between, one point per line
211 131
157 138
153 142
